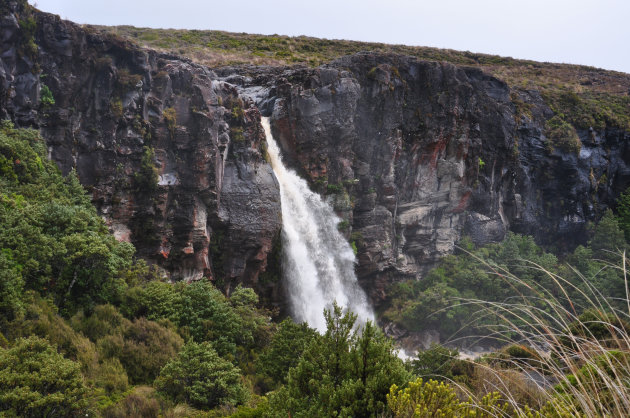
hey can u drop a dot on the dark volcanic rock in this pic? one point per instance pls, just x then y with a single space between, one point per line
416 154
412 154
172 156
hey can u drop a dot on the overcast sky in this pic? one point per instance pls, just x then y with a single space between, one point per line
590 32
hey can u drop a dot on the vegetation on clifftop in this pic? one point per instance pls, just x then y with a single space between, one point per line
583 96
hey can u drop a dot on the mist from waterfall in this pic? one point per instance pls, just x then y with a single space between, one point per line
318 262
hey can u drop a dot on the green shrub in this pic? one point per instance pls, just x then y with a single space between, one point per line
37 381
46 96
116 107
143 348
562 135
139 403
49 231
104 320
170 117
438 399
345 372
284 350
127 80
199 377
441 363
147 177
334 188
236 133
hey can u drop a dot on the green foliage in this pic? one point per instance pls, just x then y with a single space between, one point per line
28 26
354 247
199 377
116 107
584 110
202 312
562 135
438 399
343 372
147 177
421 399
343 225
51 237
608 238
605 328
441 363
37 381
46 96
236 133
11 286
170 117
127 80
284 350
143 348
141 402
480 275
41 319
334 188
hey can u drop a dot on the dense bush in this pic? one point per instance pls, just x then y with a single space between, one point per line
345 372
141 346
513 270
51 237
37 381
202 312
438 399
199 377
562 135
284 350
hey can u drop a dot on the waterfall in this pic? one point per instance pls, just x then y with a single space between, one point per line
318 261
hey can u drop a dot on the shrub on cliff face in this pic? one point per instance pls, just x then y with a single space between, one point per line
562 135
170 118
46 96
147 177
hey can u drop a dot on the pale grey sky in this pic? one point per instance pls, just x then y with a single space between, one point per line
590 32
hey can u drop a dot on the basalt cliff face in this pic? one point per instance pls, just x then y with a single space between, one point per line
415 154
412 154
171 155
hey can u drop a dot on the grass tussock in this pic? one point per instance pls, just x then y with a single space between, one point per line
560 358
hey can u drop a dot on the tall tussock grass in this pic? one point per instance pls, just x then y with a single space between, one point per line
566 348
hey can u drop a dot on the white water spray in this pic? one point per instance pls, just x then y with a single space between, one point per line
318 261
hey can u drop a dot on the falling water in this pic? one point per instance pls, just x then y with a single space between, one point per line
318 261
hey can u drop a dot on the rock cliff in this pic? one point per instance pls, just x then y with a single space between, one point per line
412 154
171 155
